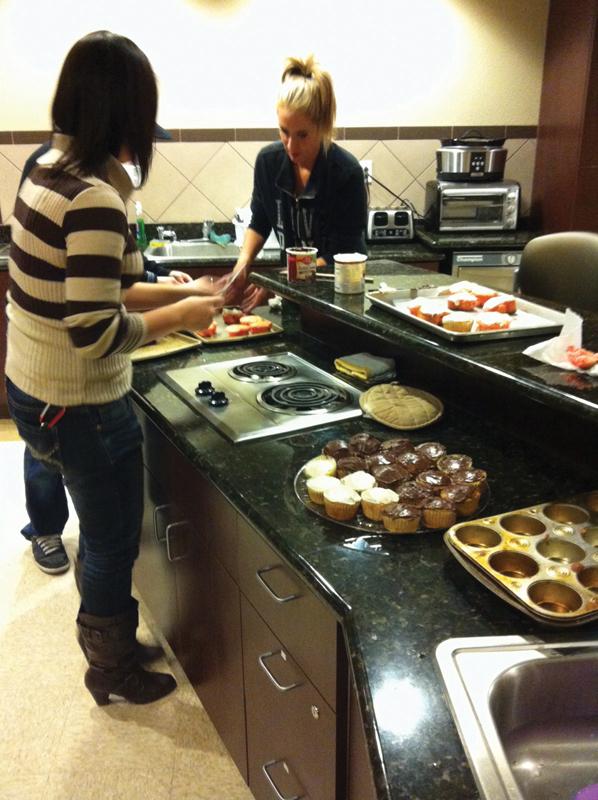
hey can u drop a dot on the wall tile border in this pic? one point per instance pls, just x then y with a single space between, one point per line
384 133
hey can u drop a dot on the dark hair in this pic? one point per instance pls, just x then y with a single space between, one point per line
106 98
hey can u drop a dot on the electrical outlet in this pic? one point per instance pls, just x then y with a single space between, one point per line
367 168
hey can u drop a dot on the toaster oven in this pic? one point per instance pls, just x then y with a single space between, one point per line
453 206
390 225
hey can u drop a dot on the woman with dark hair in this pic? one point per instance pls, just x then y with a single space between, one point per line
73 262
306 187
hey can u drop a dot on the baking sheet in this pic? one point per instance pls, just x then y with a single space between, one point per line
530 319
173 343
221 337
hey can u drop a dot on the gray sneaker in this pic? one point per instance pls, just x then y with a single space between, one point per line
49 554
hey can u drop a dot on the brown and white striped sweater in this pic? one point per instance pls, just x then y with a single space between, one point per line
72 256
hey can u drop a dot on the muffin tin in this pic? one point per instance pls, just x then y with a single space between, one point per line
542 559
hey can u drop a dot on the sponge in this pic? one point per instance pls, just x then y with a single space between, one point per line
223 239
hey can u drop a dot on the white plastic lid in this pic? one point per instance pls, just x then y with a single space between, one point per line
350 258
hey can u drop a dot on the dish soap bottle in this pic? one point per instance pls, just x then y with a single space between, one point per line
140 234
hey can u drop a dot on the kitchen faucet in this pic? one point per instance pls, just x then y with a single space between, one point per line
165 235
206 229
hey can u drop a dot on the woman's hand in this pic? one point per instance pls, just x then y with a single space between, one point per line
180 277
232 288
196 313
254 296
206 285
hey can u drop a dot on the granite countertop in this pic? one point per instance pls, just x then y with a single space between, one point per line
396 603
494 361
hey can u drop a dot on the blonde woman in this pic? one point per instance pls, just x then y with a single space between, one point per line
306 187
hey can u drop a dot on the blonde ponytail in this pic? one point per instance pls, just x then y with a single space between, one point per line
308 89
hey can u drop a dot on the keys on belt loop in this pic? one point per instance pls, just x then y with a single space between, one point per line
54 420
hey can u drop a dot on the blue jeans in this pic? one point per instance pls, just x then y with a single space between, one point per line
45 498
97 451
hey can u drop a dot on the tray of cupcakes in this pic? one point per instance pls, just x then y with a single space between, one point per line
233 324
391 486
468 312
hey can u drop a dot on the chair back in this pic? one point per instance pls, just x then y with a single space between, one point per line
562 267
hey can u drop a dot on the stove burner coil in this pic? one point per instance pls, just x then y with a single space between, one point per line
306 397
260 371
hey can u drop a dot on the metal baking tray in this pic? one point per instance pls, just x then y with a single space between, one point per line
221 336
530 319
173 343
542 559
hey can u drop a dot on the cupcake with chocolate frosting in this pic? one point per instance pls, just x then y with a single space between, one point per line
337 448
363 444
390 476
439 513
414 494
401 518
453 463
431 450
344 466
466 498
414 462
433 479
396 446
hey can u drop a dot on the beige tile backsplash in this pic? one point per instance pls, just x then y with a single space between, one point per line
193 181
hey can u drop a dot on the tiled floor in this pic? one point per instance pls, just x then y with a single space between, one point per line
55 743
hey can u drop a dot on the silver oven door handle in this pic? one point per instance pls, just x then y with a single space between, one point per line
272 594
262 662
279 796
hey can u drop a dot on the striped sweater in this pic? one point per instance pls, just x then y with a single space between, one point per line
71 259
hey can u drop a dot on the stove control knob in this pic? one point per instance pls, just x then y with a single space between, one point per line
204 389
218 399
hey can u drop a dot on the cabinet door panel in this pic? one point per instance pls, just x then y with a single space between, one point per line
295 614
154 575
291 730
213 652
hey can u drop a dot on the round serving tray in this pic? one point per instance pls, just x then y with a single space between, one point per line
369 526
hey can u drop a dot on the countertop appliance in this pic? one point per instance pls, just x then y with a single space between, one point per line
497 269
454 206
471 157
257 396
390 225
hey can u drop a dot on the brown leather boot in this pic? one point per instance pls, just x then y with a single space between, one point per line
145 653
109 645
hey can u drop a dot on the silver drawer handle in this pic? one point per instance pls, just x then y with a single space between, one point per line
169 528
273 785
262 662
277 597
157 511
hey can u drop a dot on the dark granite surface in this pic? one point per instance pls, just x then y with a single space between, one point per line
396 603
494 361
474 240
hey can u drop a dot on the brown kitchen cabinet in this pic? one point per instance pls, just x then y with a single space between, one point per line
246 627
291 730
564 193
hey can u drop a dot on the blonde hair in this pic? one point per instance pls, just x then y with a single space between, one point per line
308 89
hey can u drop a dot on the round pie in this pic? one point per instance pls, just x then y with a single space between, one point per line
401 407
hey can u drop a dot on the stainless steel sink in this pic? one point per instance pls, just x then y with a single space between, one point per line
191 250
527 713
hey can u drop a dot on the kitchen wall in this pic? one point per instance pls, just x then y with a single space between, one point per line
405 74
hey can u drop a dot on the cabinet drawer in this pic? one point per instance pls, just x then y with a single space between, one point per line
302 621
291 731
